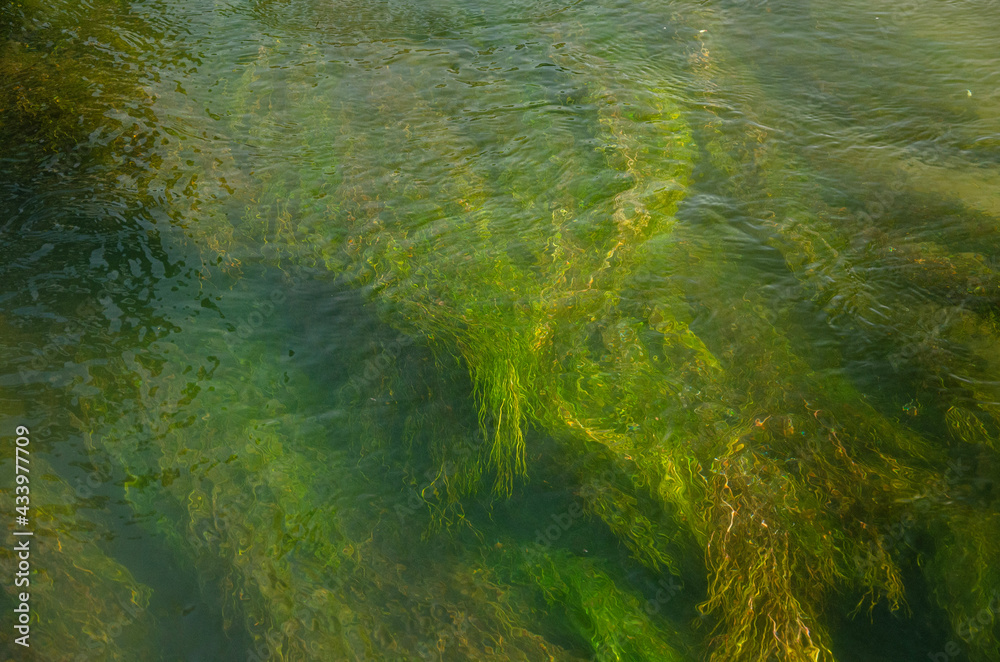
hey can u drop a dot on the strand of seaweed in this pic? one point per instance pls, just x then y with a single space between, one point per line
824 255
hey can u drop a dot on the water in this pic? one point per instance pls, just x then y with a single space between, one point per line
518 331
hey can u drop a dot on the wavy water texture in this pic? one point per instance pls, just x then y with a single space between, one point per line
524 331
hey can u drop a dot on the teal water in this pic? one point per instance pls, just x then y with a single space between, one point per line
517 331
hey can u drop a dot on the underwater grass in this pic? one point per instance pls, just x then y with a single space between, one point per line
612 621
83 601
524 357
863 275
59 90
595 314
586 410
316 563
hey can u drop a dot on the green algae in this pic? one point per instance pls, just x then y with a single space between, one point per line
107 617
316 564
600 314
60 90
614 622
526 330
831 254
499 371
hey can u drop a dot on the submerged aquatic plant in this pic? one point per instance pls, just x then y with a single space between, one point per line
872 278
614 622
578 305
108 617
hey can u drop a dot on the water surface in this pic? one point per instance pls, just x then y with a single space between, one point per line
510 331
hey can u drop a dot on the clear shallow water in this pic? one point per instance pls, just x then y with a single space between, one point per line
629 331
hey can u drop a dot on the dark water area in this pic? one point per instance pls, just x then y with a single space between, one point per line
621 331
